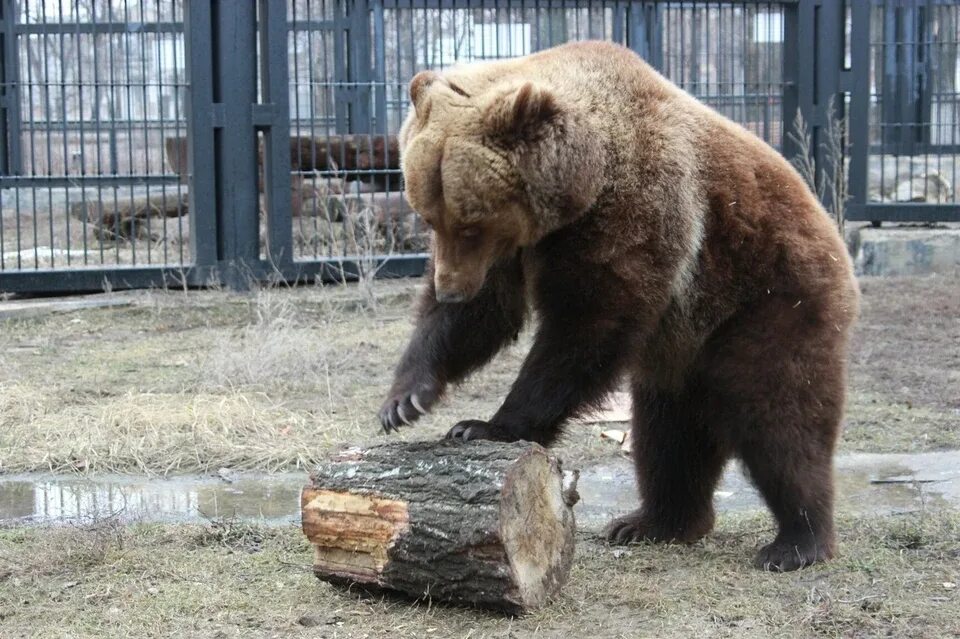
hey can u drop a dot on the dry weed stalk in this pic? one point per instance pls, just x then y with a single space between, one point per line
832 187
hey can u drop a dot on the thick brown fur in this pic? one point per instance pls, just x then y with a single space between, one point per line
655 239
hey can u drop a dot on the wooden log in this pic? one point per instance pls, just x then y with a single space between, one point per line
324 153
108 210
345 153
486 524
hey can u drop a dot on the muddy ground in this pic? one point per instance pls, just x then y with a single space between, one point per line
175 382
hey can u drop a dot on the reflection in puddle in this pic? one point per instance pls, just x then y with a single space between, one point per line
274 499
866 483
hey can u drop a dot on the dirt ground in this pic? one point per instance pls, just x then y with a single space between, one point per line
195 381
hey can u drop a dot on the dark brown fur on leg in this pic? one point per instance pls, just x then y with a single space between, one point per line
452 340
572 364
679 461
780 370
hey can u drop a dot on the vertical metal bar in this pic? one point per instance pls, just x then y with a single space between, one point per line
48 130
145 119
98 127
274 83
199 92
830 100
83 139
637 35
235 93
358 54
11 162
859 126
341 89
178 93
161 117
379 68
64 117
619 23
128 87
798 36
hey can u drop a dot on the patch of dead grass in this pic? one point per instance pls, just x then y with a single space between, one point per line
239 580
189 381
279 348
167 433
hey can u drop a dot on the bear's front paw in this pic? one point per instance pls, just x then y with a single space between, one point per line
639 526
476 429
629 529
406 406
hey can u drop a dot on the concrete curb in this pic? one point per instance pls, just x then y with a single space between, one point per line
905 251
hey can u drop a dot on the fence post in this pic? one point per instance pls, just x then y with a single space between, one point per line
359 65
10 156
235 142
646 32
273 119
813 26
201 187
859 127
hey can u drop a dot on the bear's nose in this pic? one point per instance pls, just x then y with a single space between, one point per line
450 297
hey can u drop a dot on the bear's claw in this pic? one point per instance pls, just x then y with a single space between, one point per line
404 408
783 555
473 429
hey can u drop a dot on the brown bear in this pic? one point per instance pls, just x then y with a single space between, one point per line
656 240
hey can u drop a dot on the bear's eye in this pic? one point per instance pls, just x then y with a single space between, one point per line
469 232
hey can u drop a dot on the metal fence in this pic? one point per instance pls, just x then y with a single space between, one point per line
904 104
148 142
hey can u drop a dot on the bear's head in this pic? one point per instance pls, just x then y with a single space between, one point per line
493 172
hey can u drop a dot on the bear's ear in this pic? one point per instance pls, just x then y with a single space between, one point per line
520 115
418 88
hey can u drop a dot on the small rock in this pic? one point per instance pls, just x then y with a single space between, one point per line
949 585
931 187
309 621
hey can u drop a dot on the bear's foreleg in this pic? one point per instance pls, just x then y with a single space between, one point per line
573 363
452 340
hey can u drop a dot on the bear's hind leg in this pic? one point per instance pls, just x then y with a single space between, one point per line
781 372
799 492
678 462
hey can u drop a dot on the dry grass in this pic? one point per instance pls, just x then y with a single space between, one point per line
828 182
187 382
276 348
232 580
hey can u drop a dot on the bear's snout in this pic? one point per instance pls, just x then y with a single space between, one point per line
451 297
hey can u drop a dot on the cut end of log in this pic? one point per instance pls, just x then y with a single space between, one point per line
536 527
485 523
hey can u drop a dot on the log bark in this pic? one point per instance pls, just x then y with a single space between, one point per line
327 153
109 212
128 218
487 524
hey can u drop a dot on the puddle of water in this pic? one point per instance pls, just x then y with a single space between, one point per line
906 483
51 500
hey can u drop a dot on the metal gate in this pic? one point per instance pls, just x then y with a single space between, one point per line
904 110
190 142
